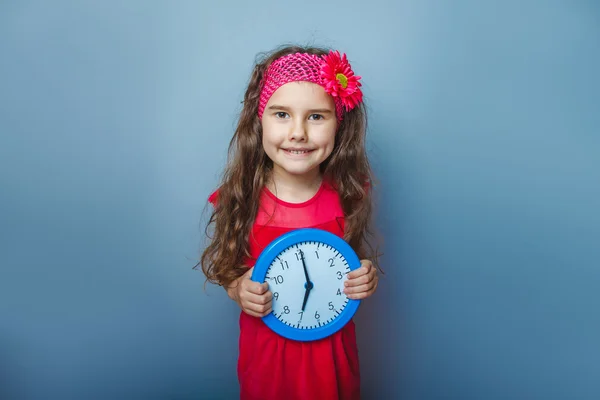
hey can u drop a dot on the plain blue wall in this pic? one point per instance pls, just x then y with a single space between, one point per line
484 132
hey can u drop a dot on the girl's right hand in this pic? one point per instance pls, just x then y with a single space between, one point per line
254 298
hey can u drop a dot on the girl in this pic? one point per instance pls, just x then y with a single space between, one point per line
297 159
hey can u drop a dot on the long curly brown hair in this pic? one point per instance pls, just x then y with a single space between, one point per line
248 170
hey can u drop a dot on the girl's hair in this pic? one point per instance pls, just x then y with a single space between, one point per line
347 168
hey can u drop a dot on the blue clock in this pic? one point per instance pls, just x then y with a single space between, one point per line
306 270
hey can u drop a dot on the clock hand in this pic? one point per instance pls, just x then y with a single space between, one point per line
305 298
308 284
308 287
304 266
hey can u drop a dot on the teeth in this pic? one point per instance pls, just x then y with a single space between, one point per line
298 151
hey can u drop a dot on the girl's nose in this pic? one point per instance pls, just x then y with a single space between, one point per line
298 132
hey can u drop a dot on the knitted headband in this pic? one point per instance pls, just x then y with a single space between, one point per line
331 71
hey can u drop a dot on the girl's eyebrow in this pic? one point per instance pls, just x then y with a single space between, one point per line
316 110
321 111
278 107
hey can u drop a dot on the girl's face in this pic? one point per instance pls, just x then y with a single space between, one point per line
299 126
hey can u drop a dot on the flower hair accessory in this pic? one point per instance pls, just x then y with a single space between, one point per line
331 71
340 80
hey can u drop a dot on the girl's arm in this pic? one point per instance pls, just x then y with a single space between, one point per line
232 290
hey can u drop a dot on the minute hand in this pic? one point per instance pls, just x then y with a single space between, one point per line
305 270
308 286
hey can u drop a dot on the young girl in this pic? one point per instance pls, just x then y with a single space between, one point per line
297 159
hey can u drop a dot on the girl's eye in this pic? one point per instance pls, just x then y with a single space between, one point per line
281 114
316 117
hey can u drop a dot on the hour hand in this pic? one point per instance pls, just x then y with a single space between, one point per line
308 287
305 298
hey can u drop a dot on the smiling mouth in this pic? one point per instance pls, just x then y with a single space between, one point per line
297 152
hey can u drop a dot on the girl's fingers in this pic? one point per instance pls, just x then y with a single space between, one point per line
257 310
360 295
255 287
257 314
255 298
361 291
361 280
358 289
251 298
256 305
364 269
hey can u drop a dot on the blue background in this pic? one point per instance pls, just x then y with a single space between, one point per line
484 134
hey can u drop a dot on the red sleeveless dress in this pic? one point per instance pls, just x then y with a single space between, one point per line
272 367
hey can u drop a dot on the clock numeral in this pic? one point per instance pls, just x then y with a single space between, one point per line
286 310
339 274
299 255
276 295
339 293
286 266
331 306
317 316
317 253
301 314
331 263
278 279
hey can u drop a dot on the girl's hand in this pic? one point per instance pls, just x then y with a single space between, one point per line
254 298
362 282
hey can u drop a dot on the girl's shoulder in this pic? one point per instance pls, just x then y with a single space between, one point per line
366 184
212 199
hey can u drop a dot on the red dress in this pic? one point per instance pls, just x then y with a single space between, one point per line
273 367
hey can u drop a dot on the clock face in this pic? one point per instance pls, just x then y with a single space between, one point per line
307 282
306 270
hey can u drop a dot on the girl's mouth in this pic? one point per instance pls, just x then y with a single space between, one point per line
297 152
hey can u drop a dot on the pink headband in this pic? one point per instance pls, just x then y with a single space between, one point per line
331 71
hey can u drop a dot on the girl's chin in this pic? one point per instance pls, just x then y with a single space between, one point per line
297 170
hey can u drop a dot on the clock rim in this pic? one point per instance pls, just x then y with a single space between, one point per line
283 242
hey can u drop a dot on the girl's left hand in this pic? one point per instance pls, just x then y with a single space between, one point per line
362 282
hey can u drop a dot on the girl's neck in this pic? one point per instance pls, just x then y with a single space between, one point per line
294 188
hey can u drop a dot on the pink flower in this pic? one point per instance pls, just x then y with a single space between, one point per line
340 81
